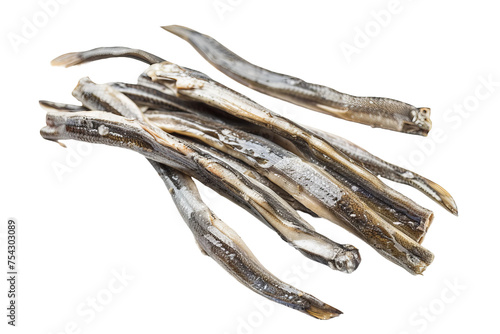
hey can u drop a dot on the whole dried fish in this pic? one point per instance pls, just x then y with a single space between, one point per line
223 245
374 111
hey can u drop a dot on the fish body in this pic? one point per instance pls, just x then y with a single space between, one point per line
373 111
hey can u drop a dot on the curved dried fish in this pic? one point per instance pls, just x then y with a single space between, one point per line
110 129
374 111
223 245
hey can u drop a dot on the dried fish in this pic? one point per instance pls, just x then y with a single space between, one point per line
154 95
223 245
374 111
271 160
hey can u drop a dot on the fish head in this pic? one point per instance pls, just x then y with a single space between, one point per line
346 260
421 122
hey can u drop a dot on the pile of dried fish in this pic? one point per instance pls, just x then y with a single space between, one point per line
188 125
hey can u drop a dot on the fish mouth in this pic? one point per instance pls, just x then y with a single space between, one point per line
420 124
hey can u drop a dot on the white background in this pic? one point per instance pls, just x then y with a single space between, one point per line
109 212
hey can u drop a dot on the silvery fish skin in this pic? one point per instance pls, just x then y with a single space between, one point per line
148 92
223 245
190 84
155 95
309 185
154 144
150 97
373 111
